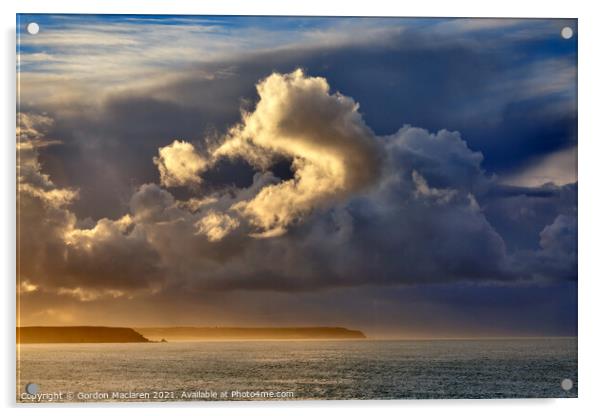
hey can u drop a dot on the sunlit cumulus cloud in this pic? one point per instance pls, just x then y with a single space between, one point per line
358 209
332 150
297 117
179 164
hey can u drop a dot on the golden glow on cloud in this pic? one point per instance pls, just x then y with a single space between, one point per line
216 225
87 295
54 197
333 151
26 286
31 180
333 154
179 164
105 229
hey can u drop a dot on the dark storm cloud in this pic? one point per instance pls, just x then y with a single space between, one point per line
434 233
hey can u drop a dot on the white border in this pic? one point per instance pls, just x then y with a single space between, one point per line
461 8
590 208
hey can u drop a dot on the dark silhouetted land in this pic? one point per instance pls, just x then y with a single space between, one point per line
76 334
200 333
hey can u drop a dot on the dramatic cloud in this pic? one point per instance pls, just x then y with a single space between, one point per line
358 209
333 153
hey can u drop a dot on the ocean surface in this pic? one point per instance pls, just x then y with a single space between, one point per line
285 370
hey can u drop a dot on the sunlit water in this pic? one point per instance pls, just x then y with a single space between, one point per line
308 369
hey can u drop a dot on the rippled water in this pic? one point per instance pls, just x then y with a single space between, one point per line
308 369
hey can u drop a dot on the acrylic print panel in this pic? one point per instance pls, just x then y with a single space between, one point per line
293 208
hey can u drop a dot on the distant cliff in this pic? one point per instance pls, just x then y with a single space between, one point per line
76 334
194 333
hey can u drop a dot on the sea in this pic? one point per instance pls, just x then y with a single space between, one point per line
298 370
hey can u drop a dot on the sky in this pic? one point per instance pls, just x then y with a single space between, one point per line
408 177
